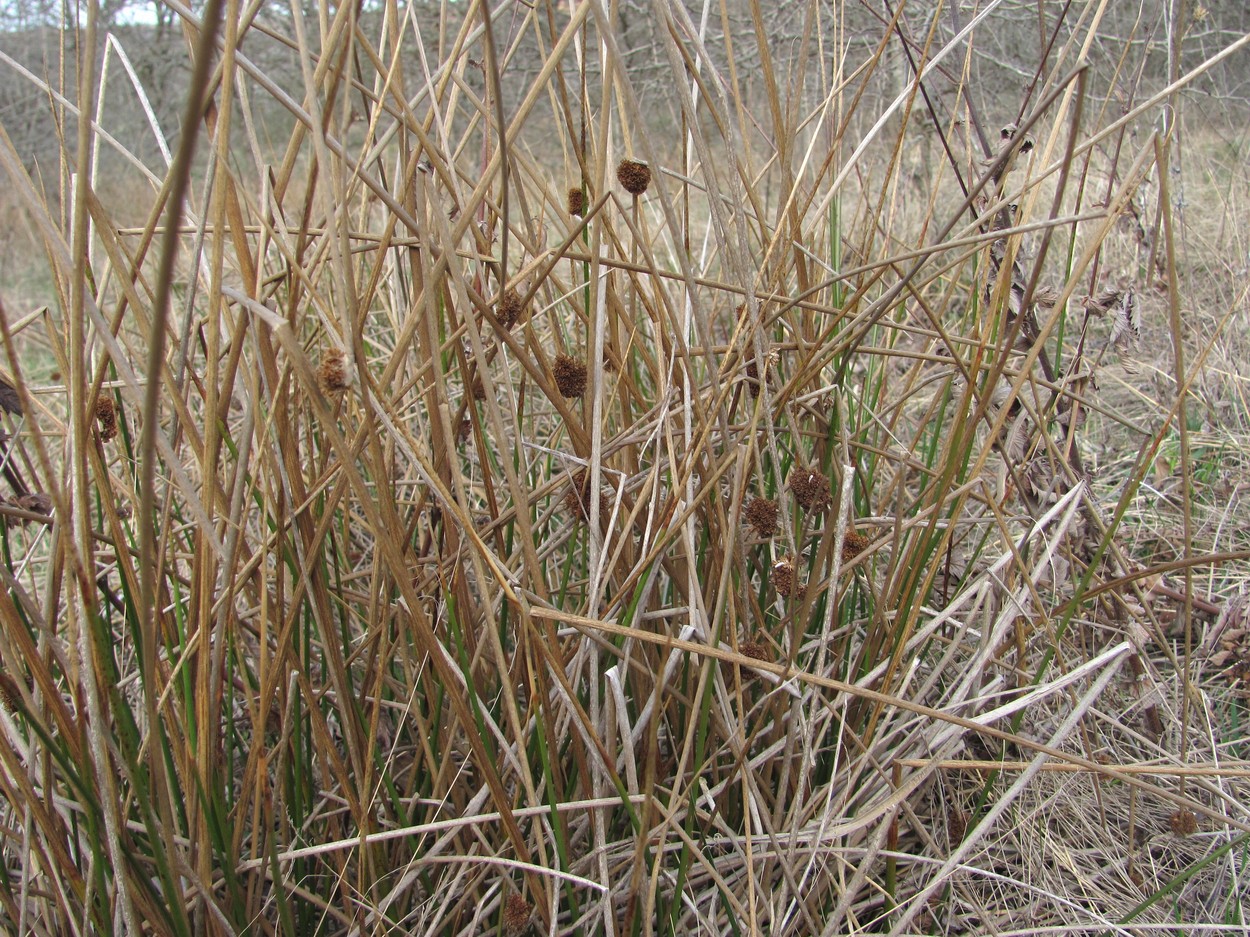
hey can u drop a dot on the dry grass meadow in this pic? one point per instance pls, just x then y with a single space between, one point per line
470 470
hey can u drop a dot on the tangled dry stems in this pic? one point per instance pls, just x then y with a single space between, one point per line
365 663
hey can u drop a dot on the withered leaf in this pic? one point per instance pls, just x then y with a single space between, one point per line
1125 329
1101 304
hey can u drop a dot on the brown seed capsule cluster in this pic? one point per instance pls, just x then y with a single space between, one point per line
333 372
811 489
853 546
761 514
36 502
756 650
577 202
956 825
10 695
516 914
510 309
570 375
782 577
10 399
577 498
1183 822
753 379
106 418
634 176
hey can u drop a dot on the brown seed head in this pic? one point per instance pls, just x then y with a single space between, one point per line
811 489
753 379
10 399
37 503
106 417
10 695
853 546
782 577
1183 822
577 498
577 202
333 372
516 914
510 311
761 514
634 176
956 824
477 388
756 650
570 375
759 372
